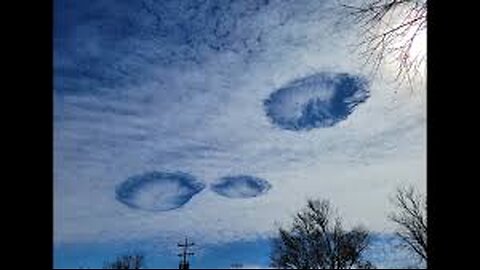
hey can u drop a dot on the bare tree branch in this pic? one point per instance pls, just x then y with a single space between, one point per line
389 30
128 261
411 220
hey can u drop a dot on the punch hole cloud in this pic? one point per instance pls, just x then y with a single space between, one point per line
318 101
158 191
241 186
137 93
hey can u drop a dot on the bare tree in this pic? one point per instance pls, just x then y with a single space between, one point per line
392 29
318 241
411 220
128 261
236 266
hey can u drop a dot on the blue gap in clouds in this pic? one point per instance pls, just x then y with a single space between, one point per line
318 101
241 186
158 191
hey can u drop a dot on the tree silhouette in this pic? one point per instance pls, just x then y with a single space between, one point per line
317 240
128 261
411 220
392 29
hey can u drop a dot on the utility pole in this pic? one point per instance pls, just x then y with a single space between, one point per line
184 255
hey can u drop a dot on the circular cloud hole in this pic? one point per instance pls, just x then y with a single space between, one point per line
320 100
241 186
158 191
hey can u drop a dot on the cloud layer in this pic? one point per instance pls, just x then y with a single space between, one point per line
166 86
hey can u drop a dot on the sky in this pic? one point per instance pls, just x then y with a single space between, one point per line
216 120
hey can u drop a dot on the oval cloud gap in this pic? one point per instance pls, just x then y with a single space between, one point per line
318 101
240 186
158 191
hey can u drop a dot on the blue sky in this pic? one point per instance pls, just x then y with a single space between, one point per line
217 120
249 254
